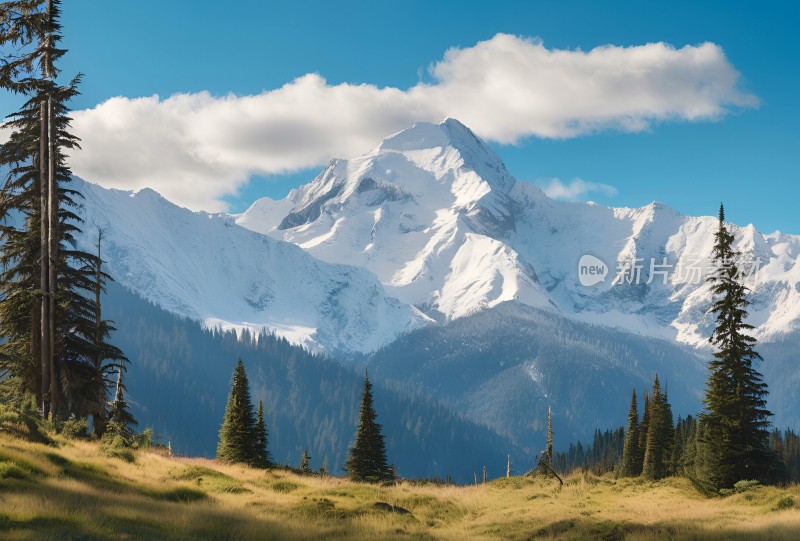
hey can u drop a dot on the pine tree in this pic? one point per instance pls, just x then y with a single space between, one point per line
305 462
735 444
46 303
644 429
120 419
323 470
264 459
668 436
685 451
238 438
659 436
630 466
366 460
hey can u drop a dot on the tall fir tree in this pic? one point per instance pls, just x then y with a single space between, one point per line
630 465
683 448
658 446
644 429
735 443
366 460
668 437
305 462
238 437
264 458
47 305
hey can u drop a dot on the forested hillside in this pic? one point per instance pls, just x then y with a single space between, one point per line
503 367
182 376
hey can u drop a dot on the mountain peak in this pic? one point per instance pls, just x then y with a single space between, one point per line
447 136
420 136
428 135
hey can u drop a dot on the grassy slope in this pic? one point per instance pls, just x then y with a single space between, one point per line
72 491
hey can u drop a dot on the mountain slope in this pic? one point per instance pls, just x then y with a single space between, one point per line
180 376
435 215
503 367
206 267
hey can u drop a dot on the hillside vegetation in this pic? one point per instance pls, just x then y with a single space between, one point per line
71 490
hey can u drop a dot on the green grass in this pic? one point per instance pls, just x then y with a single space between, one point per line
73 490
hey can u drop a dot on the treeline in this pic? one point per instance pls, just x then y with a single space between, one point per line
730 440
182 379
605 454
601 457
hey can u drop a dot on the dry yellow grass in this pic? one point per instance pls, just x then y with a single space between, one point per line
73 491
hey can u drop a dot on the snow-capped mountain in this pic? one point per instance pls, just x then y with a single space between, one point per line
205 267
436 216
459 282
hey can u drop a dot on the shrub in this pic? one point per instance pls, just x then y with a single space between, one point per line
76 429
19 415
739 487
9 470
115 444
145 439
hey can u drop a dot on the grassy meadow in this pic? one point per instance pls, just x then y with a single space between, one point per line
71 490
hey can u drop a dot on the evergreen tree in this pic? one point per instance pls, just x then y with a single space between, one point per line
107 357
238 437
366 460
787 447
603 456
305 462
668 437
630 466
323 470
263 459
120 419
644 429
659 436
685 451
679 444
735 445
47 305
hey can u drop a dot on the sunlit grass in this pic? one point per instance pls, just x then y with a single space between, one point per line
70 490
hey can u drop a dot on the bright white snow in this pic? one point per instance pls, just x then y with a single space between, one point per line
427 226
435 215
207 267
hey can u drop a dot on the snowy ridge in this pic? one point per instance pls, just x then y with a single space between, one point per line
206 267
435 215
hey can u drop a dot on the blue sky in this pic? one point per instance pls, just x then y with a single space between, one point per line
750 157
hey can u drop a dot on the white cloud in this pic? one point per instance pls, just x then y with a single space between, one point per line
197 148
577 189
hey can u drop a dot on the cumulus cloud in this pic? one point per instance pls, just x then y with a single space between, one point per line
576 190
197 148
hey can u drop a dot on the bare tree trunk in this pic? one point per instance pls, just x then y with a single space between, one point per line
99 416
98 290
36 348
53 242
44 260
